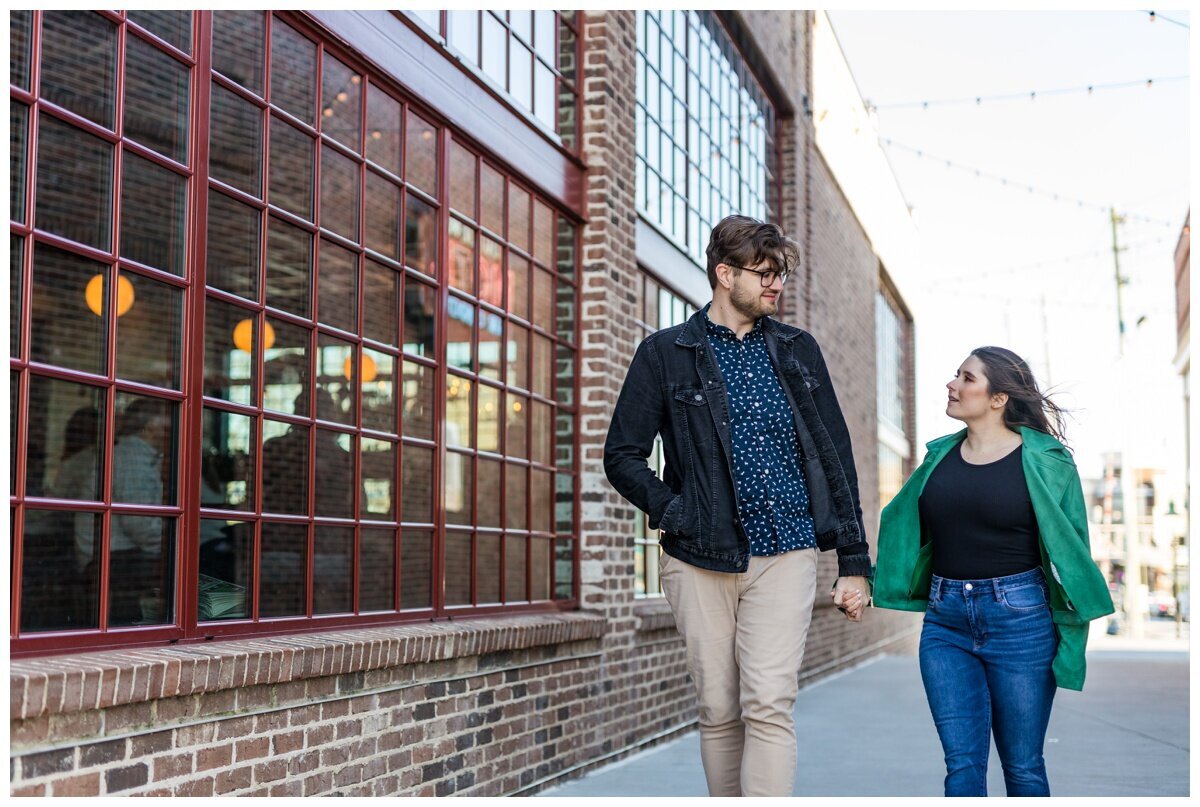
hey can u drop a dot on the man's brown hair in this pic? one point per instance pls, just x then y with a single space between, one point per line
742 241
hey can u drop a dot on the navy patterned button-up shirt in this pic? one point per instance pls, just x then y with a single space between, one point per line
772 496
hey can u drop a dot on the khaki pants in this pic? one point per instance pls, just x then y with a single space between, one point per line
745 639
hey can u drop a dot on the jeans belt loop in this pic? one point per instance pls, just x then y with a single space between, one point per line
997 591
937 594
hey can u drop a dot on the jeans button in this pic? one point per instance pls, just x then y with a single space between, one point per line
699 398
968 587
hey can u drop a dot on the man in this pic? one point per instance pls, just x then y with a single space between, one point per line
759 476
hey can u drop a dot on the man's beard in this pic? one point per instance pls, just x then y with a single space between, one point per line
751 304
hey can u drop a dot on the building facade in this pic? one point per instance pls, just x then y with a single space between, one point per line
317 322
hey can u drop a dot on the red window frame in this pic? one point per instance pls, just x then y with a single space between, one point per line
191 398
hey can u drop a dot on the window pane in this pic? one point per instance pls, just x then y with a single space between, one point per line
335 370
60 583
517 428
284 468
491 272
70 310
153 214
156 99
150 333
79 64
564 570
18 121
491 420
239 39
293 71
377 570
420 236
541 501
495 50
416 504
141 571
339 193
487 568
518 217
378 480
337 298
285 384
383 216
74 184
518 285
289 268
521 23
378 391
422 164
16 264
175 27
491 339
383 126
514 567
543 233
226 568
460 323
281 586
418 318
491 197
333 559
462 256
518 356
541 432
381 310
418 400
227 466
544 27
144 457
67 442
520 74
462 179
233 246
543 365
457 494
489 498
230 342
416 569
457 426
291 174
237 138
20 25
462 32
458 569
543 300
539 568
341 103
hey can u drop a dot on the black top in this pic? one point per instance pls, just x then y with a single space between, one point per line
980 518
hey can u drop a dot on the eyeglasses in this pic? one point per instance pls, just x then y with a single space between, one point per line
767 278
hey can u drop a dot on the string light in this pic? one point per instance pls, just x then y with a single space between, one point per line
978 100
1005 181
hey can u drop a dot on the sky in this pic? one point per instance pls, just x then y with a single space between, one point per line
991 252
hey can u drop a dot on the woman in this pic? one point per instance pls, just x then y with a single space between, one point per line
989 537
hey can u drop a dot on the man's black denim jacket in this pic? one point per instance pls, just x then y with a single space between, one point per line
674 388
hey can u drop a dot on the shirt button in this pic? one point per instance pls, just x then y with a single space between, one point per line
968 587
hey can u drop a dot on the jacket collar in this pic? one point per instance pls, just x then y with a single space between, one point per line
1044 447
695 333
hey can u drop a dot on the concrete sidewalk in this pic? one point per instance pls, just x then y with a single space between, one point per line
1127 734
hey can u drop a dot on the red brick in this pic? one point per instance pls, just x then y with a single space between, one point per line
30 731
304 763
119 719
75 725
291 788
175 709
196 787
30 790
318 783
197 734
236 779
86 785
254 748
172 766
287 742
214 757
270 771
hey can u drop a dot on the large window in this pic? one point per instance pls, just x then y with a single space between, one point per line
892 394
661 308
532 56
304 358
705 129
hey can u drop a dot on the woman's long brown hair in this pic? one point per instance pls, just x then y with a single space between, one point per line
1027 405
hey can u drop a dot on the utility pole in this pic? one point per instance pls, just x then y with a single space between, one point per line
1134 606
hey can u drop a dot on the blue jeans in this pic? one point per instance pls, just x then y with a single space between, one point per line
986 651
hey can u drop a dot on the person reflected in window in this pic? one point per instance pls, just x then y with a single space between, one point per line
137 574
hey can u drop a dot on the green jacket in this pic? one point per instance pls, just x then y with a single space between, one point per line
1078 592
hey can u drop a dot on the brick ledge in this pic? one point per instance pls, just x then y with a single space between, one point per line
86 681
653 614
